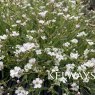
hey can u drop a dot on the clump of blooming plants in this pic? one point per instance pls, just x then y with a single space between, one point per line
50 40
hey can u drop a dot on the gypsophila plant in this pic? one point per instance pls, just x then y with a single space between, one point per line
44 44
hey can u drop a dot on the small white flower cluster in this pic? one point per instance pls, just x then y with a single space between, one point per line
82 68
52 1
32 60
3 37
29 37
29 65
41 21
43 14
90 42
77 26
74 18
90 63
74 55
57 53
2 57
75 41
81 34
43 37
67 44
38 51
37 83
21 91
74 87
16 72
25 47
56 36
14 34
86 52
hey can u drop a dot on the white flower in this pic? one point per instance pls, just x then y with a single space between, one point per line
32 60
75 87
16 72
7 31
90 42
14 33
67 44
28 45
78 93
25 47
64 94
75 41
14 25
81 34
77 26
65 9
22 49
2 1
73 2
86 52
66 16
32 31
24 16
2 57
43 37
81 68
76 18
3 37
42 7
93 50
51 53
73 17
74 55
53 20
41 21
1 46
59 14
29 37
93 60
59 57
23 24
27 67
90 63
38 52
37 83
18 21
43 14
52 1
21 91
70 66
1 65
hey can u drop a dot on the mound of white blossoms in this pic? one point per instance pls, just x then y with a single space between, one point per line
51 40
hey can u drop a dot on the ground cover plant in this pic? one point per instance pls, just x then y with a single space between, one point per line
47 47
